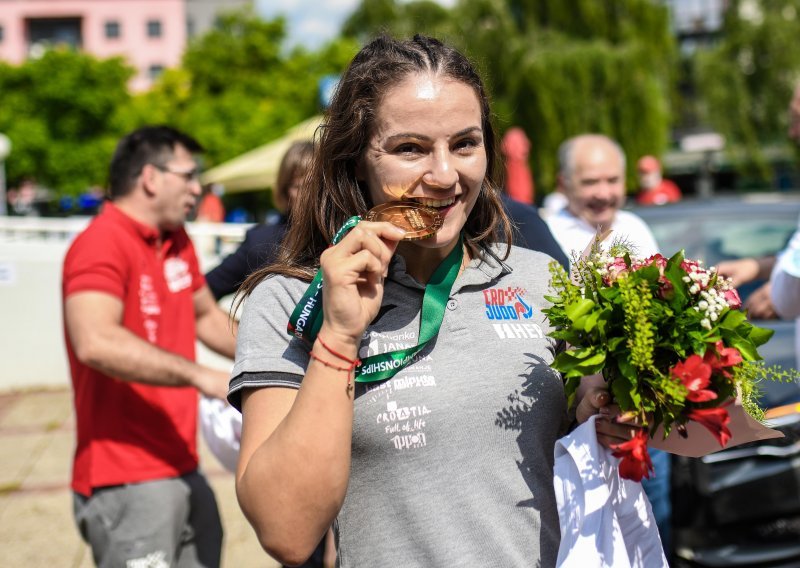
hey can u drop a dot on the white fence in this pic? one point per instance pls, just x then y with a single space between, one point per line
32 249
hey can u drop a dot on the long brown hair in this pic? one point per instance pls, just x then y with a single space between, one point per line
333 194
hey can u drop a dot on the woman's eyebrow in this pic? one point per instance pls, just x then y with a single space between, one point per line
402 135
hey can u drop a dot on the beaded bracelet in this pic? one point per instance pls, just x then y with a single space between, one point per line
353 362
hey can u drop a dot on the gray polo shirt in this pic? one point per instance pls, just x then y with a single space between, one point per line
452 461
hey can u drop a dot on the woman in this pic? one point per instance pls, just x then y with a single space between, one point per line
261 243
448 462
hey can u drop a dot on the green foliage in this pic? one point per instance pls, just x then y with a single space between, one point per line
239 44
556 68
238 88
649 325
636 300
62 114
567 88
746 81
400 19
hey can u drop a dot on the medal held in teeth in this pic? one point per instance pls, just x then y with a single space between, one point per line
418 221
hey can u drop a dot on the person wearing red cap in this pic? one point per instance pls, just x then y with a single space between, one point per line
654 189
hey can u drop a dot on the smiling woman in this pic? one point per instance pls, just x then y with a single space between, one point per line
367 413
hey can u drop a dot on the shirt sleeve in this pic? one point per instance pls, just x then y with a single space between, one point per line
94 264
260 247
785 279
266 355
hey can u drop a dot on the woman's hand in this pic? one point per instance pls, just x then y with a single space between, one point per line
612 427
353 272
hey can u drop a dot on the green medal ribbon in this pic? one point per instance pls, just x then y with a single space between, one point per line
307 318
307 315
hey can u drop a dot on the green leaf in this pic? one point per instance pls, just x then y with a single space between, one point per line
579 308
760 335
744 345
732 319
579 362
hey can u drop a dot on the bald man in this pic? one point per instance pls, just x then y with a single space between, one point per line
592 178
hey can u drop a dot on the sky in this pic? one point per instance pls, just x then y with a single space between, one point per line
313 22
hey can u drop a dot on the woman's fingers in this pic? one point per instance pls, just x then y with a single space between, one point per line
595 399
610 432
380 238
377 239
364 263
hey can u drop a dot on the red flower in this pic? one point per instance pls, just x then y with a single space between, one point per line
720 358
716 420
634 461
658 260
695 374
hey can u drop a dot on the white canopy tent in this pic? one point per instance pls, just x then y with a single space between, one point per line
258 169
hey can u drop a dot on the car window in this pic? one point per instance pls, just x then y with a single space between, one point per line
724 237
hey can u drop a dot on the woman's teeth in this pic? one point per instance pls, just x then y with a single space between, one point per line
435 202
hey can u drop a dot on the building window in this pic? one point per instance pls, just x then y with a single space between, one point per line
1 34
190 27
44 32
155 71
112 29
153 28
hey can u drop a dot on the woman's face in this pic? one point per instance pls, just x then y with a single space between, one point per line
427 146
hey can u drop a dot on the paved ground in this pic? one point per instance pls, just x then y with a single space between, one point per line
36 527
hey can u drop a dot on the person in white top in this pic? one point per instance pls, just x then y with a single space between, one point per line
592 178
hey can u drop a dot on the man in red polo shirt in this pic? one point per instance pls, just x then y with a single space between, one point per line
653 188
134 303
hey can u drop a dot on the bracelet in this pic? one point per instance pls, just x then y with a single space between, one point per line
353 362
331 365
345 369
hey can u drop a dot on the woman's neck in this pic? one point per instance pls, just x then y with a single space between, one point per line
422 262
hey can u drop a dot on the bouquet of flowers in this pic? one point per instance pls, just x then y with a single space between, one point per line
667 336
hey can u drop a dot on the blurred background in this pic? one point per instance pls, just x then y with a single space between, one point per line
703 85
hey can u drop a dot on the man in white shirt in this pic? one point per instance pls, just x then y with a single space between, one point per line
592 177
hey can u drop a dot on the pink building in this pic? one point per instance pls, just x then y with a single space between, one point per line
150 34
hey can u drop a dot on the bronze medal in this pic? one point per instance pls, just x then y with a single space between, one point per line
418 221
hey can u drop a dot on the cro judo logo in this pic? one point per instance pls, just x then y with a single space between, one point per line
506 304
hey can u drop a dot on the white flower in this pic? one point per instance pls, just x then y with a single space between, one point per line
705 323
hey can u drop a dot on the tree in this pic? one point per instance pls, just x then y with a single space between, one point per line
558 68
62 113
399 19
746 81
238 87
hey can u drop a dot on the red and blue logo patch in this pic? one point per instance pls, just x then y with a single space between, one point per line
507 304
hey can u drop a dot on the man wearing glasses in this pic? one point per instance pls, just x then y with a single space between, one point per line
134 303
